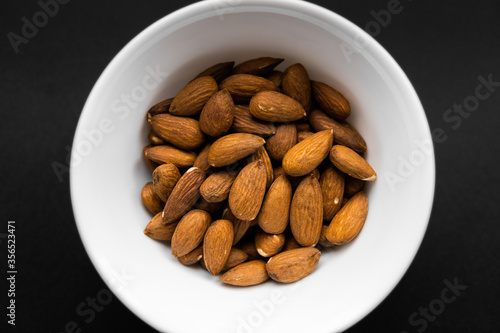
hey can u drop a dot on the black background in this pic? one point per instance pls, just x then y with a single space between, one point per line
443 46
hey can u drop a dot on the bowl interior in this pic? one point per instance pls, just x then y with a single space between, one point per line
108 172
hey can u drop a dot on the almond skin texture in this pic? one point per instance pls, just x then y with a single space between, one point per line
190 232
209 207
216 187
331 101
244 86
297 85
201 161
275 106
219 71
306 212
268 245
249 248
353 186
217 115
349 221
261 154
301 136
276 77
280 143
243 122
192 257
150 199
161 107
261 66
217 245
232 148
157 230
191 99
247 193
308 154
151 164
303 127
155 139
240 227
290 243
332 187
182 132
343 132
236 257
275 212
349 162
247 274
322 239
293 265
164 179
185 194
168 154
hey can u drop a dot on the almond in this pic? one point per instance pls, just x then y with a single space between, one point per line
192 257
249 248
331 101
248 190
290 243
260 66
301 136
151 200
209 207
349 221
280 143
161 107
332 187
151 165
276 77
322 238
217 115
244 86
191 99
307 155
164 179
232 148
306 212
190 232
182 132
268 245
236 257
293 265
247 274
219 71
353 186
243 122
303 127
275 212
167 154
155 139
157 230
217 245
349 162
275 106
240 226
216 187
343 132
184 195
201 161
297 85
261 154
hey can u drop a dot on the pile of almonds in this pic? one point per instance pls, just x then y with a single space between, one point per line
252 170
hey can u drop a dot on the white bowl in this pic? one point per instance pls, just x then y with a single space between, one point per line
108 172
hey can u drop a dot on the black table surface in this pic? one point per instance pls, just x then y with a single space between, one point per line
443 46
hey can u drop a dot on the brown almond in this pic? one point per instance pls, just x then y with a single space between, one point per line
201 161
297 85
281 142
182 132
248 190
184 195
219 71
343 132
261 154
217 115
209 207
349 221
275 212
151 165
290 243
151 200
261 66
353 186
243 122
217 245
331 101
351 163
164 179
191 99
276 107
157 230
323 241
301 136
190 232
268 245
249 248
244 86
279 171
293 265
240 226
161 107
216 187
332 187
232 148
155 139
307 155
247 274
303 127
276 77
167 154
236 257
306 212
192 257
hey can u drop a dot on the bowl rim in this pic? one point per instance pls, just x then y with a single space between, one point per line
377 51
